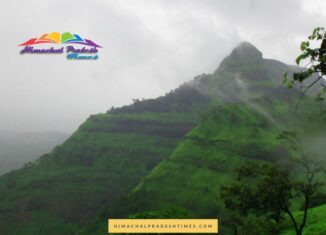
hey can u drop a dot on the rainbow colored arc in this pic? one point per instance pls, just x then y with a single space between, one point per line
58 38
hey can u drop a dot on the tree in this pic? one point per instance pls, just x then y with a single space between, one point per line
314 72
259 190
269 189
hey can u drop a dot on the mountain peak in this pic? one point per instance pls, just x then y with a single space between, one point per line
245 53
246 50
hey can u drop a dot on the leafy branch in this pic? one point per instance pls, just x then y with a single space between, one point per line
313 73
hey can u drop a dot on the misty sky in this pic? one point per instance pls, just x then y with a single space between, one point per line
149 48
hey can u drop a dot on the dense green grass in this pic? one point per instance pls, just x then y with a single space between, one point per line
316 223
227 137
190 178
206 158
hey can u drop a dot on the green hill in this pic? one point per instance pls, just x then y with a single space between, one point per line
163 157
244 127
102 161
190 177
206 158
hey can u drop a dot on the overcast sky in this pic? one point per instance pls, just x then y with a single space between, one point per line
149 48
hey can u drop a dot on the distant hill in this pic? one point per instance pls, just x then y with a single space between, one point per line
19 148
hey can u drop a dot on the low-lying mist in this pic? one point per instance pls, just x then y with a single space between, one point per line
18 148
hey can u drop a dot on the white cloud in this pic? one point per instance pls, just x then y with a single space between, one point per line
149 47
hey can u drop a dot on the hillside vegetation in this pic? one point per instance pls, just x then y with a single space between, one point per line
158 158
102 161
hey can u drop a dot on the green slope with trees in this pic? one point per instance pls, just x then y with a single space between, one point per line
254 110
103 160
165 157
